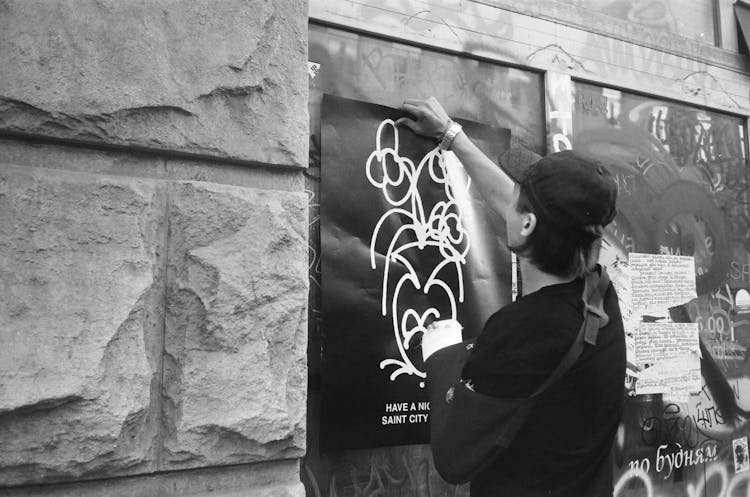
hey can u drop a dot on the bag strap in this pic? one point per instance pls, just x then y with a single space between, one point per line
594 317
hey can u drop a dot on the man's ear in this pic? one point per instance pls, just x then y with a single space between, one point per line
528 224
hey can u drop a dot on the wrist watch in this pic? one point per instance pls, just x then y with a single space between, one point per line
450 134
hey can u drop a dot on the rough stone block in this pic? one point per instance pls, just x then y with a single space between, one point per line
225 79
80 318
236 328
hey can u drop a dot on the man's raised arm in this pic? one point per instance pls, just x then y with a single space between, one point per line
431 120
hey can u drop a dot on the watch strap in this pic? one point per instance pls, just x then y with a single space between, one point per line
450 134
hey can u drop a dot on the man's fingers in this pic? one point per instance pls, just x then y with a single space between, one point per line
427 116
405 121
412 109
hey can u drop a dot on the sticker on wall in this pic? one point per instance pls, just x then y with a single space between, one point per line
405 240
741 455
313 68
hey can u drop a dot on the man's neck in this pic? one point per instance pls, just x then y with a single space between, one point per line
534 278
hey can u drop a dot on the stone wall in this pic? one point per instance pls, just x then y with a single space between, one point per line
153 247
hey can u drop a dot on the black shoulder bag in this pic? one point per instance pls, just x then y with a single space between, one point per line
469 429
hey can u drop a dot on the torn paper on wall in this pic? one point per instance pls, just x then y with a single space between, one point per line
659 282
660 341
675 378
668 357
667 354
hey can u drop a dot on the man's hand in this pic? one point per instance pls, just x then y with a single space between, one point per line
431 120
430 117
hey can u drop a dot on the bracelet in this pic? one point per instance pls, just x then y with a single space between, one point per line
450 134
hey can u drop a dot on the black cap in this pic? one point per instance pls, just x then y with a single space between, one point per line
570 190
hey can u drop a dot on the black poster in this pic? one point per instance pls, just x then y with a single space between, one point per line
406 240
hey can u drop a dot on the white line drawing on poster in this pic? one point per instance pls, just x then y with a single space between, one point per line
442 228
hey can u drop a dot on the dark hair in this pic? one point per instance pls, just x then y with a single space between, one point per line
562 251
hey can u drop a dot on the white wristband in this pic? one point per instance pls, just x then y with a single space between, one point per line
451 132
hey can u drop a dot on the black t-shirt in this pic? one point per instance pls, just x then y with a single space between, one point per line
563 449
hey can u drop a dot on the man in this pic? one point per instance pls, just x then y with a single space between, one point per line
554 215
